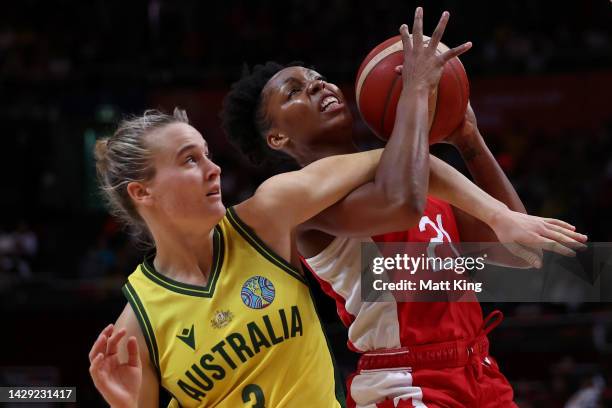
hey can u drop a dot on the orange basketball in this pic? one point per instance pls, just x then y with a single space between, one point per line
378 88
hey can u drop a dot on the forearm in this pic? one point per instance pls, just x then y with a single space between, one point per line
324 182
403 173
450 185
488 174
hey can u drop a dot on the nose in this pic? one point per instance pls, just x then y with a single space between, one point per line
316 86
212 170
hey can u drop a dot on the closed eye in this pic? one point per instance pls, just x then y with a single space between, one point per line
293 91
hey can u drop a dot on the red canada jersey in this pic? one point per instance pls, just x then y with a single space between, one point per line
393 324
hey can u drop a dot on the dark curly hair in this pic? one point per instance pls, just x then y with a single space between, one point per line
242 117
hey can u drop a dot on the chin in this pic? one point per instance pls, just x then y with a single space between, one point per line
218 210
340 127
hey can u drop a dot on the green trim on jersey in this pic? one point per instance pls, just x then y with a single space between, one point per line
249 235
184 288
174 402
339 388
145 324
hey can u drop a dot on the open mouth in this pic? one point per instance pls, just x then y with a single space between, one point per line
329 103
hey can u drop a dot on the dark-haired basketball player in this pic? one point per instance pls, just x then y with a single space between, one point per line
294 110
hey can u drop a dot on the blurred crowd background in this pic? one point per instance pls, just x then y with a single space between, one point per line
541 78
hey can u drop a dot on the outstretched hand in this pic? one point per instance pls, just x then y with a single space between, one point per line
119 383
422 65
526 236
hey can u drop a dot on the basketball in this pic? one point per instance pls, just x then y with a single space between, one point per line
378 89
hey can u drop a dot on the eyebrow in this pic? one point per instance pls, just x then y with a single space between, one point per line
309 75
190 146
289 80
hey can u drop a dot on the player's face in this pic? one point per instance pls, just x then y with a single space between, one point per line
186 187
302 106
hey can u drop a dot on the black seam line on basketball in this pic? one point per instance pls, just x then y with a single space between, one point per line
184 288
145 325
249 235
387 100
338 383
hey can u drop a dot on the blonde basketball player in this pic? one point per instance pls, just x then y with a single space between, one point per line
218 315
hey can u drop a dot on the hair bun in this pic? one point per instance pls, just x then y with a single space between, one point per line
101 152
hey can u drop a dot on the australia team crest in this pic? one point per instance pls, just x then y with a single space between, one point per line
221 318
257 292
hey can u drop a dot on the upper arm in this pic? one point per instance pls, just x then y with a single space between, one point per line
294 197
281 203
364 212
268 214
280 198
149 395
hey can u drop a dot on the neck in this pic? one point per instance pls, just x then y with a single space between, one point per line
308 154
183 257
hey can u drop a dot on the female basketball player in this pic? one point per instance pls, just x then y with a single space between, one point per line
226 317
414 354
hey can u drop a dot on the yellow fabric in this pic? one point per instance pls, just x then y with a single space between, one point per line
250 338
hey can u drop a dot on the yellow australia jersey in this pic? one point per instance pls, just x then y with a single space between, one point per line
250 338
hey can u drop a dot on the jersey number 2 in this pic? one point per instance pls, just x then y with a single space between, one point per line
253 393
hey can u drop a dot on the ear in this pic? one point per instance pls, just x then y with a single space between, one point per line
276 140
139 193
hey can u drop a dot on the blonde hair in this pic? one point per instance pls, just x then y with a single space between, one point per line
125 157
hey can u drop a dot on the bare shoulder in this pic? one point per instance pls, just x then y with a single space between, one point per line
247 213
256 216
258 212
268 224
127 320
150 382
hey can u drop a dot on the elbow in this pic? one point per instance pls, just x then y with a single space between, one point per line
405 204
418 204
413 200
415 209
407 211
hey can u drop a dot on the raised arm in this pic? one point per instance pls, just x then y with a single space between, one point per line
453 187
289 199
285 201
487 174
360 215
481 163
523 235
396 198
402 177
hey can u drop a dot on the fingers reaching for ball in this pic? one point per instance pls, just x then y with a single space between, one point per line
424 57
